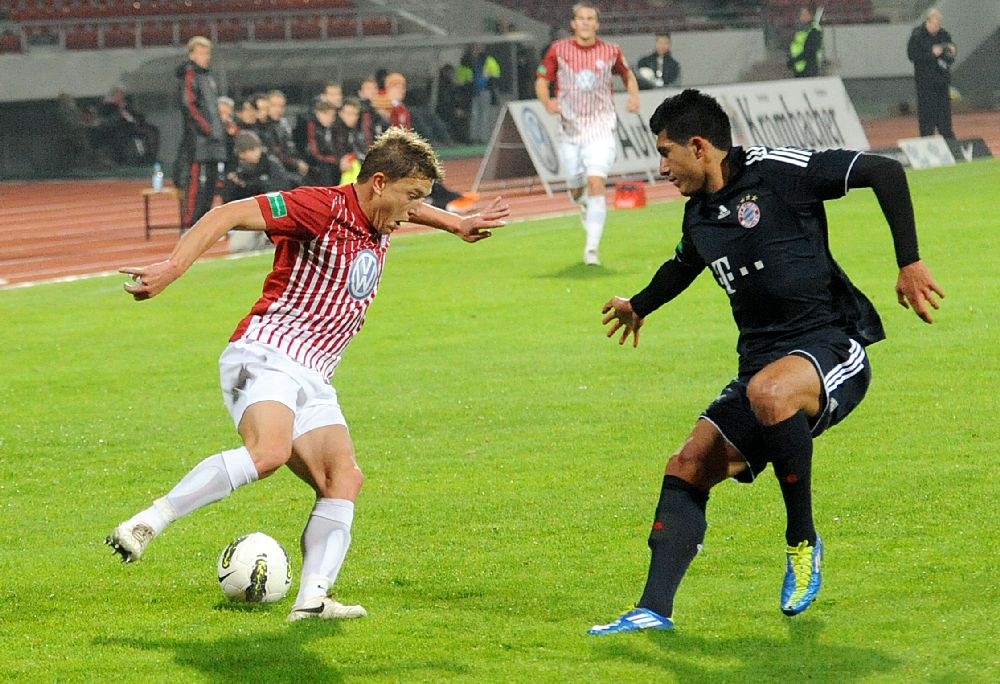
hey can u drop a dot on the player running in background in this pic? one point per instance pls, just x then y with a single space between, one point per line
583 67
330 246
755 219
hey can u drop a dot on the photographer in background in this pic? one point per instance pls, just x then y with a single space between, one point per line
932 52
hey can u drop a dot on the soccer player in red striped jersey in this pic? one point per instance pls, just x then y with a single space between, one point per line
583 67
330 246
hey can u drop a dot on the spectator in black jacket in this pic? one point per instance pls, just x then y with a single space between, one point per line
349 140
372 123
257 173
227 113
130 138
659 69
324 161
932 52
279 138
453 103
203 142
247 116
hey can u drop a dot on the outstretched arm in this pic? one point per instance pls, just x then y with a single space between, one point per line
149 281
619 313
670 280
915 287
470 228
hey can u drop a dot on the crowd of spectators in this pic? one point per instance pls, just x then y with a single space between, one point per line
107 133
268 149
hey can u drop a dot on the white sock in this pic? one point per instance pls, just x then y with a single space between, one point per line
213 479
580 201
593 221
325 541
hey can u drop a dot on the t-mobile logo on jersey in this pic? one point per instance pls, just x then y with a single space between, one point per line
724 273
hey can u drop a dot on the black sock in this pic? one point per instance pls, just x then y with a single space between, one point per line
676 537
789 444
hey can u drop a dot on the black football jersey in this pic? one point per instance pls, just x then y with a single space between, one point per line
764 238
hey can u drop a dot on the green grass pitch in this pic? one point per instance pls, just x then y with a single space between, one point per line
513 457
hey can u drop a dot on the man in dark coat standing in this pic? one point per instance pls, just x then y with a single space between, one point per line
203 144
932 52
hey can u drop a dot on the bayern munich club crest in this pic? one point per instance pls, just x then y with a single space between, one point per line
748 214
362 277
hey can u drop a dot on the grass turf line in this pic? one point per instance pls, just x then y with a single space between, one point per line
513 457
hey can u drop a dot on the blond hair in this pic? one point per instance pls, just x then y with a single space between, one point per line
401 153
198 41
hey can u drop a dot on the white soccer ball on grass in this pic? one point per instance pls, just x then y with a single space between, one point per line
255 568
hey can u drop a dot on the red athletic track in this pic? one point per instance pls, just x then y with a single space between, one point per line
63 229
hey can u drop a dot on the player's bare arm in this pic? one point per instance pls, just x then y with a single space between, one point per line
632 85
618 312
470 228
149 281
915 288
542 93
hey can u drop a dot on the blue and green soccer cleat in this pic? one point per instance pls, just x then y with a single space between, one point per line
803 577
634 620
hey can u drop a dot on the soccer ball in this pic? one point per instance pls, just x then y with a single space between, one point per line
255 568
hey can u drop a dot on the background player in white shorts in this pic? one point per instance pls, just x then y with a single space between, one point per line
583 67
330 246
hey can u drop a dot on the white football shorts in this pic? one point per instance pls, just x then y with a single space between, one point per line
591 158
251 371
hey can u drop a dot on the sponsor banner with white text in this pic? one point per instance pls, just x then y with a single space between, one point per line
815 113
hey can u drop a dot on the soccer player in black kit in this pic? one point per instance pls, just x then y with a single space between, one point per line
755 219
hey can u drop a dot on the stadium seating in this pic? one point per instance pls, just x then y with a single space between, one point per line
231 30
10 42
32 10
188 28
157 33
81 37
98 24
268 28
643 16
342 27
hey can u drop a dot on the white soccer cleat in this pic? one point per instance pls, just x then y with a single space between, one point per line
129 541
591 258
326 609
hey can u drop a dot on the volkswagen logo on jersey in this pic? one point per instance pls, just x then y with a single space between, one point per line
586 79
748 214
363 275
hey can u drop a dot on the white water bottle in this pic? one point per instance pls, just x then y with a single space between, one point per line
157 176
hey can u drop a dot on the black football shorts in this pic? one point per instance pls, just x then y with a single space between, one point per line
846 374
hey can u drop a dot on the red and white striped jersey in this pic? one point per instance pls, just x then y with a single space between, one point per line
584 77
327 263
